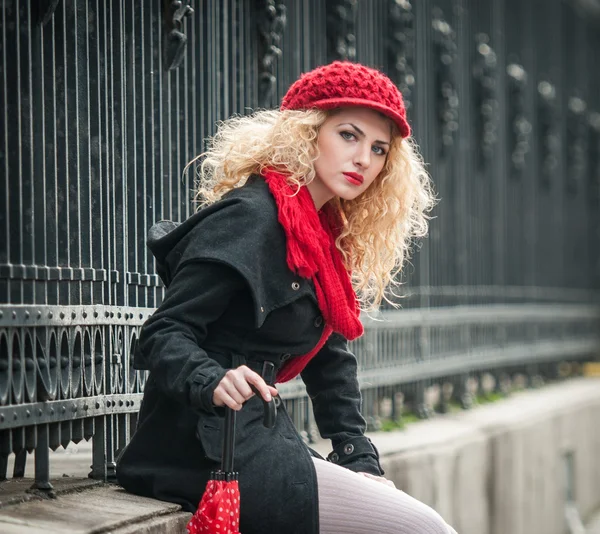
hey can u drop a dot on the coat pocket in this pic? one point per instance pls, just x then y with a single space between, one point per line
209 431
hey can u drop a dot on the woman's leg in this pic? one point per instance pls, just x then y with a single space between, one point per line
353 504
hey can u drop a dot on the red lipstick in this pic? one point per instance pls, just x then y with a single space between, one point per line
354 178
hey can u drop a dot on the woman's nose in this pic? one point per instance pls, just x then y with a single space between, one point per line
362 157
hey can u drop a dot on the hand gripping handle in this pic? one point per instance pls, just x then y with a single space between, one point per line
269 417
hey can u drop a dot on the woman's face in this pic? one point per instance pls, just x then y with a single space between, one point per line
353 144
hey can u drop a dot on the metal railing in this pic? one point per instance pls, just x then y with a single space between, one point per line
408 351
69 377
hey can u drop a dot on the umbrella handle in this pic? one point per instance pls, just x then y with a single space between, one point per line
270 414
228 441
269 408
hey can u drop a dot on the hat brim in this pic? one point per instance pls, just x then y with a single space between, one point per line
332 103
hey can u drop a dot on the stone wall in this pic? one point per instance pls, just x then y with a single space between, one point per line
501 468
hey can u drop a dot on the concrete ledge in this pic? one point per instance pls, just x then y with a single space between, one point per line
172 523
107 508
497 469
504 468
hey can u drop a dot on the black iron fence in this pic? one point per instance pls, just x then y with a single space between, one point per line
103 104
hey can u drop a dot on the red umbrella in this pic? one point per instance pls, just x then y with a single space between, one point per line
219 509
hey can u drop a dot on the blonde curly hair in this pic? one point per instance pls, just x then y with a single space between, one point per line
380 224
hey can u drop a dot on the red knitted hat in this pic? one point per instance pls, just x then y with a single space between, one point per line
343 83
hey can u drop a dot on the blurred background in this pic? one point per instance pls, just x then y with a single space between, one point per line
104 103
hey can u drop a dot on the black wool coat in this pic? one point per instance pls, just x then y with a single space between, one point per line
232 299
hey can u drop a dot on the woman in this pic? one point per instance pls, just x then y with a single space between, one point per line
259 286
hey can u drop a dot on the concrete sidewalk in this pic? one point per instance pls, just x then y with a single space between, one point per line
593 526
438 461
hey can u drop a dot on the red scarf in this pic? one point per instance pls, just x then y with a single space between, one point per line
311 252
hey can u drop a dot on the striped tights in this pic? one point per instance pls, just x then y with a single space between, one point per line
350 503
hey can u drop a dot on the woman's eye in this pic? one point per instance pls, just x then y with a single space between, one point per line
378 150
348 136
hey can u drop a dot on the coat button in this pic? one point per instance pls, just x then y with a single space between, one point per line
318 321
349 449
335 458
295 286
285 357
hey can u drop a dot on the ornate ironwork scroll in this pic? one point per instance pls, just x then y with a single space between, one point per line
174 13
549 142
444 44
401 47
486 100
341 29
271 25
577 139
62 369
519 125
